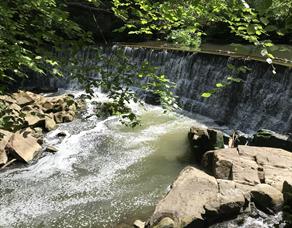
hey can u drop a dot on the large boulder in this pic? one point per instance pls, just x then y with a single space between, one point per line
23 146
267 138
251 165
203 140
197 199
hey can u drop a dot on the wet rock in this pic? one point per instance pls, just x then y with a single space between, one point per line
152 98
139 224
63 116
267 138
51 149
241 139
50 124
203 140
287 209
165 223
62 134
267 198
23 146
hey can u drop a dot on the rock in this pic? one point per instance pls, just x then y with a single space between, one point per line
37 132
152 98
25 147
267 198
4 139
27 108
165 223
203 140
228 165
240 138
51 149
23 98
63 116
198 200
139 224
287 209
3 157
68 117
48 106
267 138
34 120
62 134
15 107
251 165
50 124
7 99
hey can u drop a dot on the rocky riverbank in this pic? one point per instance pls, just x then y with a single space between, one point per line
232 179
25 118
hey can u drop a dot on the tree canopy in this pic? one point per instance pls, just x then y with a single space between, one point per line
30 30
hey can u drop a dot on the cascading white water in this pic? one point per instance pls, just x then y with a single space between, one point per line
263 100
103 174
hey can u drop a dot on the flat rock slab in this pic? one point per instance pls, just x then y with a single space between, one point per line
251 165
25 146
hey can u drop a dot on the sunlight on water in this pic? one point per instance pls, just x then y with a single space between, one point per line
103 174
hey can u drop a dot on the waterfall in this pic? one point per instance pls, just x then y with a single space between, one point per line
262 100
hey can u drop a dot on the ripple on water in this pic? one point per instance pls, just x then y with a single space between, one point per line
103 173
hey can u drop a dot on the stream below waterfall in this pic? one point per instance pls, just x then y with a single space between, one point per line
104 173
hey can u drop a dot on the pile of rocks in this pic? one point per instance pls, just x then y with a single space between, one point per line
27 117
231 181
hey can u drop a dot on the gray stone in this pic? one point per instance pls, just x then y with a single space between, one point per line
267 138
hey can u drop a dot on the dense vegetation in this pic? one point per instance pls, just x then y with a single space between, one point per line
29 30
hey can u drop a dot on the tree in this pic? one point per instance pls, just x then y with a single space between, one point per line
32 31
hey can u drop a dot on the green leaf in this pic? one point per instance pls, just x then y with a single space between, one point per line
220 85
206 94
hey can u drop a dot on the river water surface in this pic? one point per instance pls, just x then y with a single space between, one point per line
103 174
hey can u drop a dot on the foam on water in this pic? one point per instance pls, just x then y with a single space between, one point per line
102 173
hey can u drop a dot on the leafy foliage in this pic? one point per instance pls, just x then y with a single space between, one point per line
118 76
29 30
